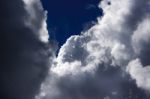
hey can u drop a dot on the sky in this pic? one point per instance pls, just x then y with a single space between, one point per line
71 17
82 49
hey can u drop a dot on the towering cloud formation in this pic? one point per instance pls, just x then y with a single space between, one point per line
92 65
108 61
25 52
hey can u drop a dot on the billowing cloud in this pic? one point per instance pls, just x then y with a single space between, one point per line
108 61
93 65
25 53
140 74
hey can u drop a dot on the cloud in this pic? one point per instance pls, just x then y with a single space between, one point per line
88 66
34 9
140 74
93 64
110 40
141 41
25 53
105 82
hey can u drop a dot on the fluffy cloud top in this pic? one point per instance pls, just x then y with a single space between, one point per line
93 64
140 74
115 38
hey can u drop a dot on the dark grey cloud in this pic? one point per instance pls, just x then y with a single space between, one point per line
24 57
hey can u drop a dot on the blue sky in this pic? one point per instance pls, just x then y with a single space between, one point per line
69 17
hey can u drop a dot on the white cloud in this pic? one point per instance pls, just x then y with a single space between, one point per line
102 43
37 21
141 35
140 73
113 41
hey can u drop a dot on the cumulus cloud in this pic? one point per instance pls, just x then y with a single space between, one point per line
25 53
92 65
112 39
140 73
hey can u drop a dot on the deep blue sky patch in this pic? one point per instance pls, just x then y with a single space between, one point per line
69 17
